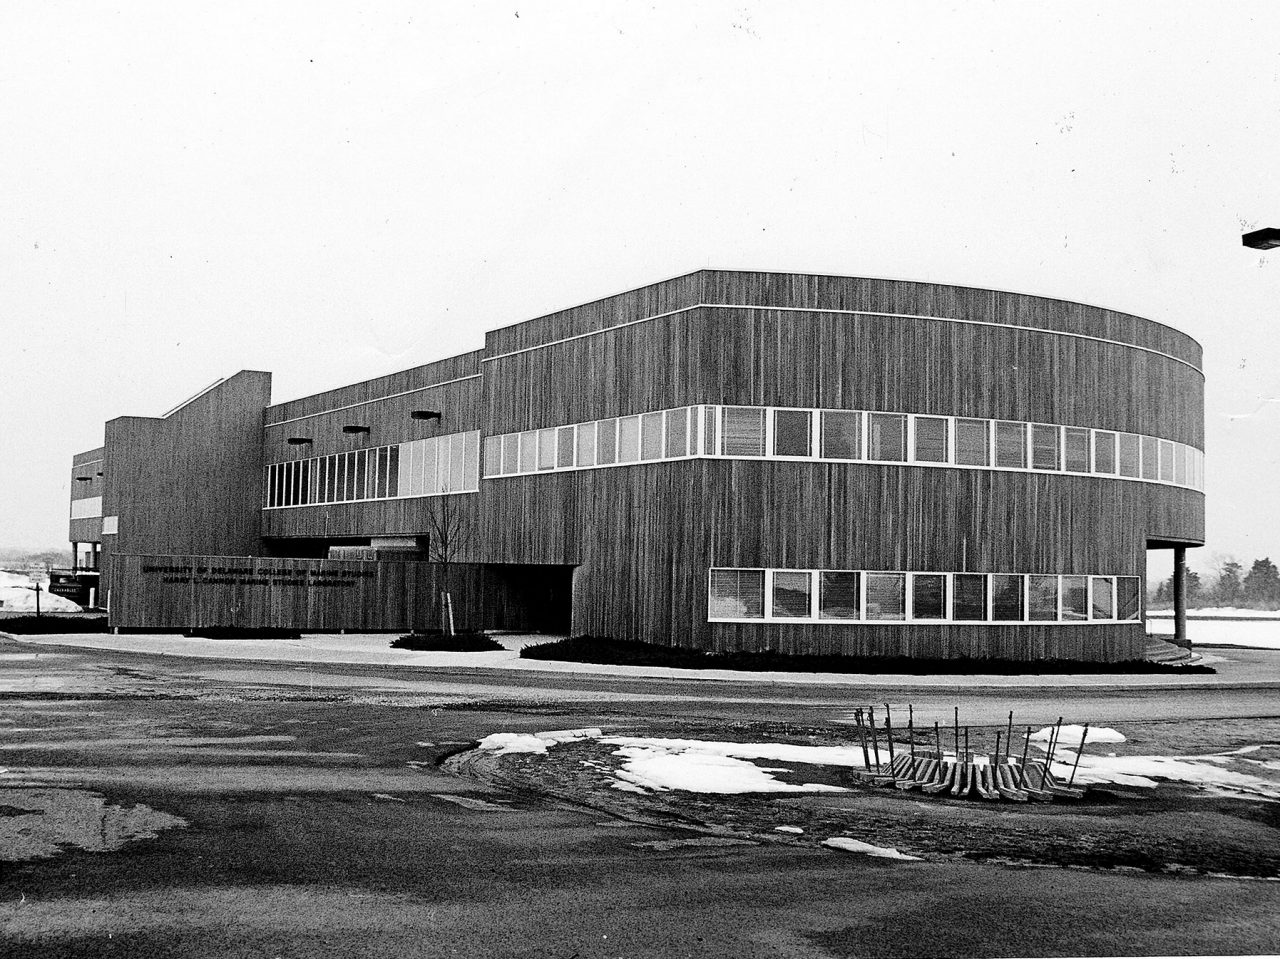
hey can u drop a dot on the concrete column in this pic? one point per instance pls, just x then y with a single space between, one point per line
1180 597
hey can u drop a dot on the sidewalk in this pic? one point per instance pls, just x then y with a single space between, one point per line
1236 667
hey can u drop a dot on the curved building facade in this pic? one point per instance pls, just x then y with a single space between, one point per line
732 460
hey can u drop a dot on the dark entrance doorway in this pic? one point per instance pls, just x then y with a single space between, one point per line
536 598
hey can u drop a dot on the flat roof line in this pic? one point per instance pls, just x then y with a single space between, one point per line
376 399
812 309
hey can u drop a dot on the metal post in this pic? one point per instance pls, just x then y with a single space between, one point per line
1079 752
875 743
937 738
862 738
957 733
1180 597
888 731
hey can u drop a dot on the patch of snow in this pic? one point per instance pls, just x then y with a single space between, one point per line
570 735
866 849
1071 735
19 597
1254 633
850 756
623 786
656 767
388 797
504 744
1214 612
1205 772
791 829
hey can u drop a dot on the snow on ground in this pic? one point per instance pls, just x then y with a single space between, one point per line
16 595
1258 633
1213 612
726 768
1070 735
795 830
503 744
657 767
855 845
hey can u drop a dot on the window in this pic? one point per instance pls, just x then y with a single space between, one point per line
742 431
1011 445
791 594
887 437
841 435
547 449
511 453
651 436
1044 447
928 596
1075 443
629 439
435 469
931 439
606 442
565 443
393 471
737 594
587 444
384 457
968 597
1150 458
1129 453
357 491
708 430
677 433
792 433
838 595
1075 598
528 451
1128 598
1042 598
471 459
1180 464
973 442
1103 598
886 596
1166 461
1006 597
1104 452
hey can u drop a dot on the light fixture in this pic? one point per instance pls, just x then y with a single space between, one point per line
425 414
299 441
1267 238
355 429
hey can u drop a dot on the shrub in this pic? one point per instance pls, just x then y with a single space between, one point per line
614 652
438 642
50 623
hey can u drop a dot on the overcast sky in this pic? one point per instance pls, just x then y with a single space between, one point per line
332 193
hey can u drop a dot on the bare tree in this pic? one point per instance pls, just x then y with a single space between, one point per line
448 538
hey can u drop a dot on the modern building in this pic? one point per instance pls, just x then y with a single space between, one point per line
724 460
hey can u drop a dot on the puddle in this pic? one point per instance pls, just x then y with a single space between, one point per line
38 823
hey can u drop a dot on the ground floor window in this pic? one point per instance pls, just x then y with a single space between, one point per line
835 596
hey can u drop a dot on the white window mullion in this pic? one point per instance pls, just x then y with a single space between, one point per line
814 577
951 440
911 439
768 595
815 434
769 431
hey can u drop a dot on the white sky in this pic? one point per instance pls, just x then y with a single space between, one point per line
332 193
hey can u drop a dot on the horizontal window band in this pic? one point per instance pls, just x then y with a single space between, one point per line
920 598
821 310
823 435
374 499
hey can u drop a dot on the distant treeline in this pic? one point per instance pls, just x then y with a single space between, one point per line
11 556
1231 586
